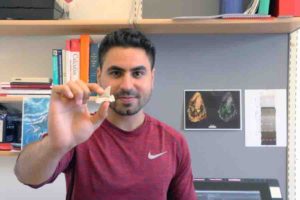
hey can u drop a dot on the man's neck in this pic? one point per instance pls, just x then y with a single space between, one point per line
126 123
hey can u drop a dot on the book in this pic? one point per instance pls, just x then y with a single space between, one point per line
231 6
223 16
35 119
4 92
60 66
3 114
55 71
64 63
8 85
94 62
263 7
30 80
75 59
68 60
85 41
285 8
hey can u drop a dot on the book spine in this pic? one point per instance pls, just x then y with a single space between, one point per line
55 78
84 57
297 8
263 7
2 128
75 59
94 62
60 65
64 72
68 60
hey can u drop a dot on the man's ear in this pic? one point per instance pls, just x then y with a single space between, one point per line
98 75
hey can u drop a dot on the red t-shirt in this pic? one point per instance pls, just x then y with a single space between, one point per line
151 162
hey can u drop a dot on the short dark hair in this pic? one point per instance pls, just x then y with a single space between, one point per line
126 37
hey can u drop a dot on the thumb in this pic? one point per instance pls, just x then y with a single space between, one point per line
100 115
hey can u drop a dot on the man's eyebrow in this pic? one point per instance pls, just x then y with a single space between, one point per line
114 67
138 68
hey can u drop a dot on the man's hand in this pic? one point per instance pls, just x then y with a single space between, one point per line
69 121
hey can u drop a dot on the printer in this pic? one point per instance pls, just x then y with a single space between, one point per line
30 9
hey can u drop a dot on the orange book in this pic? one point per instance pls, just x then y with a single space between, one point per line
85 41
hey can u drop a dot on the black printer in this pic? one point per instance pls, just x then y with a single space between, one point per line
30 9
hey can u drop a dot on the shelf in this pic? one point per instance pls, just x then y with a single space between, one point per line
220 26
156 26
4 99
60 27
9 153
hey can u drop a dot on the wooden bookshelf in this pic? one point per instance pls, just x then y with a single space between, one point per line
8 99
60 27
219 26
9 153
156 26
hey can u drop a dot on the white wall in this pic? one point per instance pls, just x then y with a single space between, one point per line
12 189
26 56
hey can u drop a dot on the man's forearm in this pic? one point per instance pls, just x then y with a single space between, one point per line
37 162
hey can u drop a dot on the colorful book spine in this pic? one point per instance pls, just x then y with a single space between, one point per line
60 65
68 60
297 8
94 62
285 8
75 59
85 41
263 7
64 71
231 6
55 79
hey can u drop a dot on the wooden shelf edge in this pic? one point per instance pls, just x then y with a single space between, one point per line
219 26
9 153
4 99
60 27
155 26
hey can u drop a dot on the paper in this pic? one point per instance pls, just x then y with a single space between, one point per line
265 118
106 96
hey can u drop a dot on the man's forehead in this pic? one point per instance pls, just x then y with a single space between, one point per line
126 58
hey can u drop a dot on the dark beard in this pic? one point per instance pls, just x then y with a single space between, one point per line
126 109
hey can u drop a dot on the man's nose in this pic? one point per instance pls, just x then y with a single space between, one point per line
127 82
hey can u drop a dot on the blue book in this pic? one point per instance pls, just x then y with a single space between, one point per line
35 119
231 6
94 62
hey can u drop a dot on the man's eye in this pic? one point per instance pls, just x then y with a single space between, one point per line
115 74
138 74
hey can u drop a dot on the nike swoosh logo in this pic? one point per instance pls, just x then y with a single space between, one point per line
153 156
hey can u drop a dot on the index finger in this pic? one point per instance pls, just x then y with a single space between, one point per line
94 87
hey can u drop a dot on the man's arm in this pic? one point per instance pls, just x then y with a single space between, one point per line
37 162
69 124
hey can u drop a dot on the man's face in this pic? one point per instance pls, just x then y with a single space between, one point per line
128 72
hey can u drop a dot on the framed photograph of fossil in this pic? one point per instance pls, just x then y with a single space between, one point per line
212 110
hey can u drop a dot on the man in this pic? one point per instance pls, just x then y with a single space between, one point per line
119 152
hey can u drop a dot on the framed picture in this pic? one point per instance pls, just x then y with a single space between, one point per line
212 110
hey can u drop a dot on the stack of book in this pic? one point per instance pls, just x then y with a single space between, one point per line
26 86
79 60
